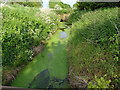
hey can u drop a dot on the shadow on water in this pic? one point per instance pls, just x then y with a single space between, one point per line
41 80
55 76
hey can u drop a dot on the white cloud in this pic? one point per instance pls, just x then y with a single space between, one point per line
70 2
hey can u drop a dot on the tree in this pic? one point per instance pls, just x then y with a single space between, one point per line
36 3
53 3
95 5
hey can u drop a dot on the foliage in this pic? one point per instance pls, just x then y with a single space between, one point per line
22 29
29 4
53 3
81 7
60 7
95 5
63 11
93 48
75 16
99 83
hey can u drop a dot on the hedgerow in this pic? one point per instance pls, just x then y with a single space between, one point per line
93 50
29 4
95 5
22 28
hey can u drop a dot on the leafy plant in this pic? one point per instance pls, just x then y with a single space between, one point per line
99 83
22 29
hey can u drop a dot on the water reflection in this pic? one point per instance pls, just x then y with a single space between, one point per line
63 35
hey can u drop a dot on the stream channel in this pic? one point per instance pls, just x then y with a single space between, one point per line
48 69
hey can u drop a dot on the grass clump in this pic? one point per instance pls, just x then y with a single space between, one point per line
93 50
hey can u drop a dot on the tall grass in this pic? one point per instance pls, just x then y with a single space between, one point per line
93 50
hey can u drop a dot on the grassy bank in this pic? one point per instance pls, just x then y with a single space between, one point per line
93 50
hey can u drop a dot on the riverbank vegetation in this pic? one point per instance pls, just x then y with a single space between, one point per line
23 28
93 36
93 49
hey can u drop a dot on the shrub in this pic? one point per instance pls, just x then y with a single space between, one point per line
29 4
63 11
95 5
53 3
22 29
93 48
81 7
75 16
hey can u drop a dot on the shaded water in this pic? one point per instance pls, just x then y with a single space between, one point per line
41 80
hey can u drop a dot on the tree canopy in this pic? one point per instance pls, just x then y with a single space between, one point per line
30 4
53 3
95 5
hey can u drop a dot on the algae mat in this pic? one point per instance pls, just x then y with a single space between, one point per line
49 68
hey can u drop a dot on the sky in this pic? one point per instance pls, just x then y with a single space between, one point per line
70 2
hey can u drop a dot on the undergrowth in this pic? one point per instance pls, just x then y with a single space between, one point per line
93 49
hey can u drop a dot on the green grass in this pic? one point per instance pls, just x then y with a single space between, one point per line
56 64
93 49
75 16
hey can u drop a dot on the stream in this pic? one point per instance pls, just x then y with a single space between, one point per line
48 69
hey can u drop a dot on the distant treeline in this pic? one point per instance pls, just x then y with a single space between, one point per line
53 3
95 5
30 4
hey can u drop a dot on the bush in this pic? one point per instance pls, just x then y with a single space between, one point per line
53 3
29 4
81 7
22 29
95 5
75 16
93 48
63 11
